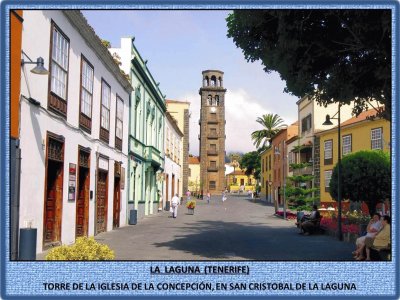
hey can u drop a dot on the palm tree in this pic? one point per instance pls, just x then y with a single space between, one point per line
272 124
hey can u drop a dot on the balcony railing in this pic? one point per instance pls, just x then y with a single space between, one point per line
303 171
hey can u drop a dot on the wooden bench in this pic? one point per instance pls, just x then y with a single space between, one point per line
316 228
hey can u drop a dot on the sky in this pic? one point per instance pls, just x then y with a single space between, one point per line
179 45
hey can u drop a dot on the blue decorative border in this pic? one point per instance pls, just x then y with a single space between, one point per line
25 279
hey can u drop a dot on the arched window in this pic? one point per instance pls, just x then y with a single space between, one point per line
206 81
213 81
217 100
209 98
219 81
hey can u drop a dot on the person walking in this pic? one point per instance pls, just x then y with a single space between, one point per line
208 197
188 194
224 196
174 205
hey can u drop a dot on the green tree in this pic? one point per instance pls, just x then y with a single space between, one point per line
251 162
365 177
331 55
298 193
271 124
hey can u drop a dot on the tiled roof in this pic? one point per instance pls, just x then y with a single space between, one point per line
361 117
193 160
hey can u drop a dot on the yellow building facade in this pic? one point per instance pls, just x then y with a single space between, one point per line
357 133
194 185
267 161
238 180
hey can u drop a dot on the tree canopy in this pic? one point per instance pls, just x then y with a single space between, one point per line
252 163
335 55
271 124
365 176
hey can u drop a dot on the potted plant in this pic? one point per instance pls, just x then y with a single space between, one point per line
191 206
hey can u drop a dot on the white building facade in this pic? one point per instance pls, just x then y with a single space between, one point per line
146 132
173 162
74 131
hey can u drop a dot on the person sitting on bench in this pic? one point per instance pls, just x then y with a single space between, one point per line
308 223
381 240
374 226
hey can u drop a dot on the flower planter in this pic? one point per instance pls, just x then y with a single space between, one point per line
191 211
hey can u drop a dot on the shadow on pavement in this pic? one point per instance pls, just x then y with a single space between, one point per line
244 241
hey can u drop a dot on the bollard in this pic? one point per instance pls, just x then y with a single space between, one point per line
167 205
27 244
133 217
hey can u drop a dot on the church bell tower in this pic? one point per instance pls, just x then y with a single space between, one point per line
212 132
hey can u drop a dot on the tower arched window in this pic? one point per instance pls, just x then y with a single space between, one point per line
206 81
209 100
219 81
217 100
213 81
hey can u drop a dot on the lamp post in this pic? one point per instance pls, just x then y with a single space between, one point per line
328 122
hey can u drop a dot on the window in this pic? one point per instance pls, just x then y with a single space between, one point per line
328 159
118 123
346 142
211 184
306 124
328 176
105 111
376 139
167 143
217 100
213 164
85 117
213 147
291 158
213 132
58 70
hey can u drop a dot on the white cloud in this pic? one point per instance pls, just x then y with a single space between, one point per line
241 112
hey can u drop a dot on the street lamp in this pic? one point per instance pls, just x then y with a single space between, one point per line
328 122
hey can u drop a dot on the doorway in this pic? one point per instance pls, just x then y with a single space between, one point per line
173 186
82 201
54 192
117 195
167 198
101 207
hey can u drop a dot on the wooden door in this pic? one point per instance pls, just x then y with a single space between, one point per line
173 186
117 202
82 203
53 205
101 208
242 181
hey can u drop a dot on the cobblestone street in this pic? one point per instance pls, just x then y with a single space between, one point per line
238 229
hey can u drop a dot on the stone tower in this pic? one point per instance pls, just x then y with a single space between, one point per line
212 132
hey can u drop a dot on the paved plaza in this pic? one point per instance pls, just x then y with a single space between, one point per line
238 229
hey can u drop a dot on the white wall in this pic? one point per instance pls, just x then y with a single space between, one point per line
171 166
35 122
